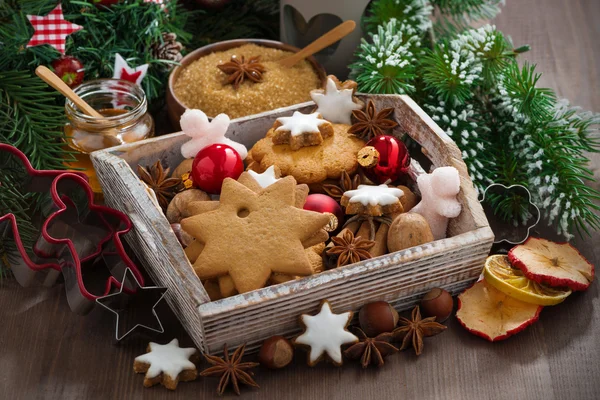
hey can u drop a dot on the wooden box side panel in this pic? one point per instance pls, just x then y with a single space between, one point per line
151 240
399 278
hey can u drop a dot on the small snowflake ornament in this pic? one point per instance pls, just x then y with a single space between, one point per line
167 364
372 200
203 133
336 102
51 29
265 179
325 334
123 71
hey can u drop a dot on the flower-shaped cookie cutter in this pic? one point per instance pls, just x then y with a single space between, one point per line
76 237
501 229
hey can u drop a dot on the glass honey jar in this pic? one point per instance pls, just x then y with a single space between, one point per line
126 120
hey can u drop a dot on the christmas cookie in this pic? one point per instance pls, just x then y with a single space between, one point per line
372 200
251 235
310 164
336 102
167 364
301 130
325 333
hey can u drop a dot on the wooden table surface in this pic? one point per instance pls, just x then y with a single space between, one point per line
47 352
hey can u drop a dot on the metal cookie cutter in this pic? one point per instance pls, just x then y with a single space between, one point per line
77 238
134 309
507 232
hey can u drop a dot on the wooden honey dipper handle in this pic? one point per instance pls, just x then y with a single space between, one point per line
53 80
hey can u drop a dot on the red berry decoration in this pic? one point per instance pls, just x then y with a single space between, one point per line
384 158
325 204
213 164
69 69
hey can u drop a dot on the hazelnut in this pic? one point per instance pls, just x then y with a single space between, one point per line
437 303
183 237
377 317
178 207
183 168
276 352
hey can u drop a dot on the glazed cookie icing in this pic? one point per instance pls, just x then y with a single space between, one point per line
326 333
169 359
335 105
300 123
374 195
265 179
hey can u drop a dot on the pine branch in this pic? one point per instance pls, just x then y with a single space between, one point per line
415 13
386 63
451 71
455 16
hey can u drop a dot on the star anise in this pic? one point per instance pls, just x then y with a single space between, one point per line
230 369
239 69
412 331
346 183
370 350
371 123
156 177
350 249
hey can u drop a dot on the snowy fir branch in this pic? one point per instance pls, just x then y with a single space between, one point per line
509 129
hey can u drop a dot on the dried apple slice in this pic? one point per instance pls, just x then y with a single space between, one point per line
512 281
485 311
556 264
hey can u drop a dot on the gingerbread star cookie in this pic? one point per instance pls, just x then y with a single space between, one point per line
325 333
310 164
336 102
250 235
167 364
301 130
372 200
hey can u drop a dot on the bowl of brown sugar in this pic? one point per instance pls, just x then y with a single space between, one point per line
209 79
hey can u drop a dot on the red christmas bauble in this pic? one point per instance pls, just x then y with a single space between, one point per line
213 164
69 69
325 204
384 158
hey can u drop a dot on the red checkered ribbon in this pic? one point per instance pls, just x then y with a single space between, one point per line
51 29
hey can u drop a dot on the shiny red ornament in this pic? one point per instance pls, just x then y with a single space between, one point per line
213 164
393 159
325 204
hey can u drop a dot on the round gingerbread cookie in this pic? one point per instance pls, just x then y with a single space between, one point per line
310 164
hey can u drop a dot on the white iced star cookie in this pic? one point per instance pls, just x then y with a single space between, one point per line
325 334
167 364
336 102
372 200
301 130
265 179
203 133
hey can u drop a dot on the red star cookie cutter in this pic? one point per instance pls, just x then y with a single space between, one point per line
77 238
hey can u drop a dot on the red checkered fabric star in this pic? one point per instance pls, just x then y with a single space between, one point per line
51 29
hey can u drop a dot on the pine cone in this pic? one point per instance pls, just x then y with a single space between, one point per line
168 49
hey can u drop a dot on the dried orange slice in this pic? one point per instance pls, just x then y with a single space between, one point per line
487 312
555 264
511 281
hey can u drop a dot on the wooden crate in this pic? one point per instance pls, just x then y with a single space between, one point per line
400 278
